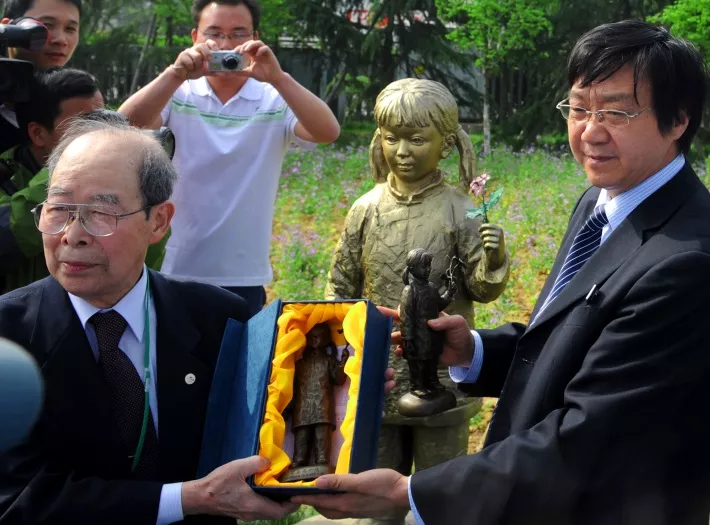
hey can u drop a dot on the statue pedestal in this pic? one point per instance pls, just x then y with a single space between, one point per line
411 405
307 473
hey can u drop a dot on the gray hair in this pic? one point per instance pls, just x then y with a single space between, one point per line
156 174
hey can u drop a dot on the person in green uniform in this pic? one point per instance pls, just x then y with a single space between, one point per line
57 95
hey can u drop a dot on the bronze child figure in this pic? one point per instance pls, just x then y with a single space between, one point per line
313 420
412 206
422 346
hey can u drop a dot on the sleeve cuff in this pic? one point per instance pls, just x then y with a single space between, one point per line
462 374
295 140
170 508
417 517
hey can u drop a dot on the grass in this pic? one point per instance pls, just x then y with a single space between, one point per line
299 515
318 188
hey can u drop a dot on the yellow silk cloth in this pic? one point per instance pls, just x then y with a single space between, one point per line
295 321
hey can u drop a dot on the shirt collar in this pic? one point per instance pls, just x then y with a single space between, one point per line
251 90
131 307
417 195
618 208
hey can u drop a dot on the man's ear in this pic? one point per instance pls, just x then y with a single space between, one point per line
160 217
448 146
5 21
256 35
193 34
680 126
39 135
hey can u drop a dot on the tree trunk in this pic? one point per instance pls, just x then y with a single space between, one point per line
503 94
144 51
387 74
486 114
336 86
169 32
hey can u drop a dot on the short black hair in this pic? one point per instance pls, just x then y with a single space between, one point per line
48 90
252 5
673 67
16 8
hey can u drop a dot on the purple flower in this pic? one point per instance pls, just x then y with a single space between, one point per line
478 185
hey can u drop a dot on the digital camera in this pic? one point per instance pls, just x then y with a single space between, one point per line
226 61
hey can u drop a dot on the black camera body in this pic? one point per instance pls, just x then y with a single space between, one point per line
15 75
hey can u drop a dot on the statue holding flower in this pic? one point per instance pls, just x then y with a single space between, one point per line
413 207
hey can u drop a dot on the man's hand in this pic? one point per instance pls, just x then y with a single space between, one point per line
458 339
225 492
263 64
194 62
373 494
493 245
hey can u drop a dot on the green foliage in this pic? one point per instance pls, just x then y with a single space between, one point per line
300 515
377 40
276 19
496 29
485 206
689 19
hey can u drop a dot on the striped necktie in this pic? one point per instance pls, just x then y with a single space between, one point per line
585 243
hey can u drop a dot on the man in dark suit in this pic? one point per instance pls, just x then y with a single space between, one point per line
127 355
603 397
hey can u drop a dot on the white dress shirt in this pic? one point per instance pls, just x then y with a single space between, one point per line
132 309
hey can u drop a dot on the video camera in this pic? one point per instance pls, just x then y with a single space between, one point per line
16 75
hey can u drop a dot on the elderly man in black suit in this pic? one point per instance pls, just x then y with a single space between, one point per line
602 415
127 355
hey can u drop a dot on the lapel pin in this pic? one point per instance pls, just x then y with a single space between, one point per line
190 379
593 292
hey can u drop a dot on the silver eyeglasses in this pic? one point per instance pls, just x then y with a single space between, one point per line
235 36
96 219
611 117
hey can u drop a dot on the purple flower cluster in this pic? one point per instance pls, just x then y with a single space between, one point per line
478 185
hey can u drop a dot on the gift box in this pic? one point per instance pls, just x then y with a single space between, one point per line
252 389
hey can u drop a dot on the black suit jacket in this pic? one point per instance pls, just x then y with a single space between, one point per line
71 469
603 413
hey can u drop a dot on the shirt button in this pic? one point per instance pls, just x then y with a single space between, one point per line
190 379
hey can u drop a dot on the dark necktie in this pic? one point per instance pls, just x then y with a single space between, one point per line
126 391
586 242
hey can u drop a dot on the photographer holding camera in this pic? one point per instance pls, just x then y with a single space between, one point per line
56 96
61 19
232 131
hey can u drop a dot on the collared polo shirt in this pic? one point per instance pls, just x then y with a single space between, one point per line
229 159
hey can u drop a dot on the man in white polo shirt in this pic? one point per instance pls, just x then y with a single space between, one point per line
232 131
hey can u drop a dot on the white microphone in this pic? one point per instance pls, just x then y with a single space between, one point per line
21 394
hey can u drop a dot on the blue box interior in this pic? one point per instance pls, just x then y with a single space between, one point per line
239 389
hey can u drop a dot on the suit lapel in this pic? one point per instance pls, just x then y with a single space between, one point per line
181 401
619 247
584 210
73 381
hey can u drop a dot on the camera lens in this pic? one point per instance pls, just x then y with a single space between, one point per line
230 62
